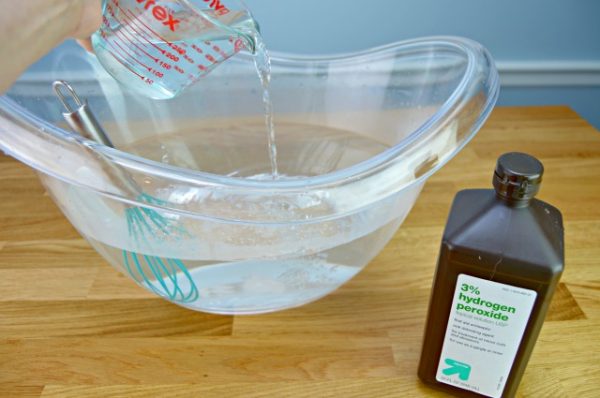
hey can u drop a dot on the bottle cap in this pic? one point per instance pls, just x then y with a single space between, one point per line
518 176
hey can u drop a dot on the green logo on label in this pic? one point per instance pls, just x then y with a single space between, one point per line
458 368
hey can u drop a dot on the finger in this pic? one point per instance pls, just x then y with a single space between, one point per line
91 18
86 44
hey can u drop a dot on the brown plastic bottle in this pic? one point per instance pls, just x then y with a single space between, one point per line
501 257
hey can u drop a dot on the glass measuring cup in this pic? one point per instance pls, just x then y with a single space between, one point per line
160 47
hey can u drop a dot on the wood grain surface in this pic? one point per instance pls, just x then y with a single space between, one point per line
72 326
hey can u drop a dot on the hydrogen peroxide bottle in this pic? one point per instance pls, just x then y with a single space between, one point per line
501 257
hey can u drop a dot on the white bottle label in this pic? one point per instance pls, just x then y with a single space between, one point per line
485 327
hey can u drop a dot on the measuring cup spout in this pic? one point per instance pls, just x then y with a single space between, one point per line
249 40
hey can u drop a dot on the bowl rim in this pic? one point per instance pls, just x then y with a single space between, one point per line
472 50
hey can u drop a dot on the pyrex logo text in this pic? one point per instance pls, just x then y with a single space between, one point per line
219 8
161 13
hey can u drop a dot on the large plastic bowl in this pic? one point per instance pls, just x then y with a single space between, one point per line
365 130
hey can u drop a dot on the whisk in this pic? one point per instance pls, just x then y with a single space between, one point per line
161 275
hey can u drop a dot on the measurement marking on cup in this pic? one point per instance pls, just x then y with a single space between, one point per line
189 59
135 33
122 62
198 49
133 20
167 54
126 22
130 25
140 18
132 56
124 54
129 40
211 58
117 37
111 10
155 72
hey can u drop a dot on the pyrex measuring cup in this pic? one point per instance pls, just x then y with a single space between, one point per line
160 47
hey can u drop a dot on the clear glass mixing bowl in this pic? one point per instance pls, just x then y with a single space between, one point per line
357 137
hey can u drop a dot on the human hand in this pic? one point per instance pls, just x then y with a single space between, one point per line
91 17
30 28
88 15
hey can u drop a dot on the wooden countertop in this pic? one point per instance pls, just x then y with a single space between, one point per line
71 326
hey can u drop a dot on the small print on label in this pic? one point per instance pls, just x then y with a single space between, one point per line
485 326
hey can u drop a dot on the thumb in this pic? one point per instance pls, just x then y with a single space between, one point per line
89 20
87 44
